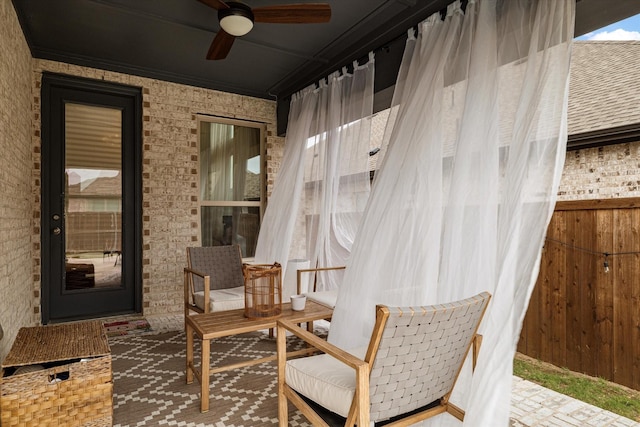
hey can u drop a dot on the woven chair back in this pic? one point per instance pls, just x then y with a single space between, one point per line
222 263
421 353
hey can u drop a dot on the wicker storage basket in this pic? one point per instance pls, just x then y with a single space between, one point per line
67 379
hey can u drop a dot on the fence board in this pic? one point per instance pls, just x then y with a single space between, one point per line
588 266
529 342
635 331
558 262
578 287
603 346
634 306
558 307
624 240
581 317
572 303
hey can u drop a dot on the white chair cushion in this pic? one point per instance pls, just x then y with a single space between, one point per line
325 380
326 298
221 299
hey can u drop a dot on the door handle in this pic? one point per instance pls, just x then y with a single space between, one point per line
57 231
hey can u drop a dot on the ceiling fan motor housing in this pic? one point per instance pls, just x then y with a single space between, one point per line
236 19
238 12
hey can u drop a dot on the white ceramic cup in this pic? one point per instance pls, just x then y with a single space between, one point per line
298 302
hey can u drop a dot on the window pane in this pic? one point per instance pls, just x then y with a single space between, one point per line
230 165
231 225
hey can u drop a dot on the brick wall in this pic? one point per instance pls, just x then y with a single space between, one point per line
170 165
601 173
16 204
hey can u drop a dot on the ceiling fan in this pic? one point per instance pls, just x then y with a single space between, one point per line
236 19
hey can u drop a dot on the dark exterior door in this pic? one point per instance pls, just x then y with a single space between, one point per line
91 198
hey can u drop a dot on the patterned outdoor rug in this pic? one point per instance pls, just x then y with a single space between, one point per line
150 388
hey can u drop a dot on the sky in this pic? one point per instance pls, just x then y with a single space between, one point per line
628 29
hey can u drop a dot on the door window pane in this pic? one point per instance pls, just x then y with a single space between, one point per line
93 197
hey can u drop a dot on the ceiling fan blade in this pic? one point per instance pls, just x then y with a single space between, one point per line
221 45
302 13
216 4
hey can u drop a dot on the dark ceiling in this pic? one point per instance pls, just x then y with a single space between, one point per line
169 39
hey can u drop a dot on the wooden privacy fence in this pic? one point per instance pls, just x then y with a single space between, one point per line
584 313
93 232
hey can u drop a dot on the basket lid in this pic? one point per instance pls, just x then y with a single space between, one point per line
53 343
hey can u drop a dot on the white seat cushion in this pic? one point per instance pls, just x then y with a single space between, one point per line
221 299
325 380
326 298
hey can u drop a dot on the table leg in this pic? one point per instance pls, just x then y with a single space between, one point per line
189 332
204 382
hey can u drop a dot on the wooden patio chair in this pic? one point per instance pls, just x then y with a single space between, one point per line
213 279
326 298
405 375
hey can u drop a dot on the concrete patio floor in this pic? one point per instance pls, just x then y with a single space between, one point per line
531 404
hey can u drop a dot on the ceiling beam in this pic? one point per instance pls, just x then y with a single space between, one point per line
358 41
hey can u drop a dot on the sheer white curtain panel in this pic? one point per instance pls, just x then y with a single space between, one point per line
468 183
323 183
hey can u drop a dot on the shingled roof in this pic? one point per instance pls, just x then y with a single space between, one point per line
604 91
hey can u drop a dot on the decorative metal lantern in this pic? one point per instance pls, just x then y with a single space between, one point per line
262 291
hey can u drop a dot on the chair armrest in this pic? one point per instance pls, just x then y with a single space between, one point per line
359 413
196 272
314 270
189 291
318 343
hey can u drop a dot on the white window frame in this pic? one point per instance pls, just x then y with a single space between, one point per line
263 168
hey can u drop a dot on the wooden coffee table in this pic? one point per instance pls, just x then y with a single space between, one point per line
232 322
